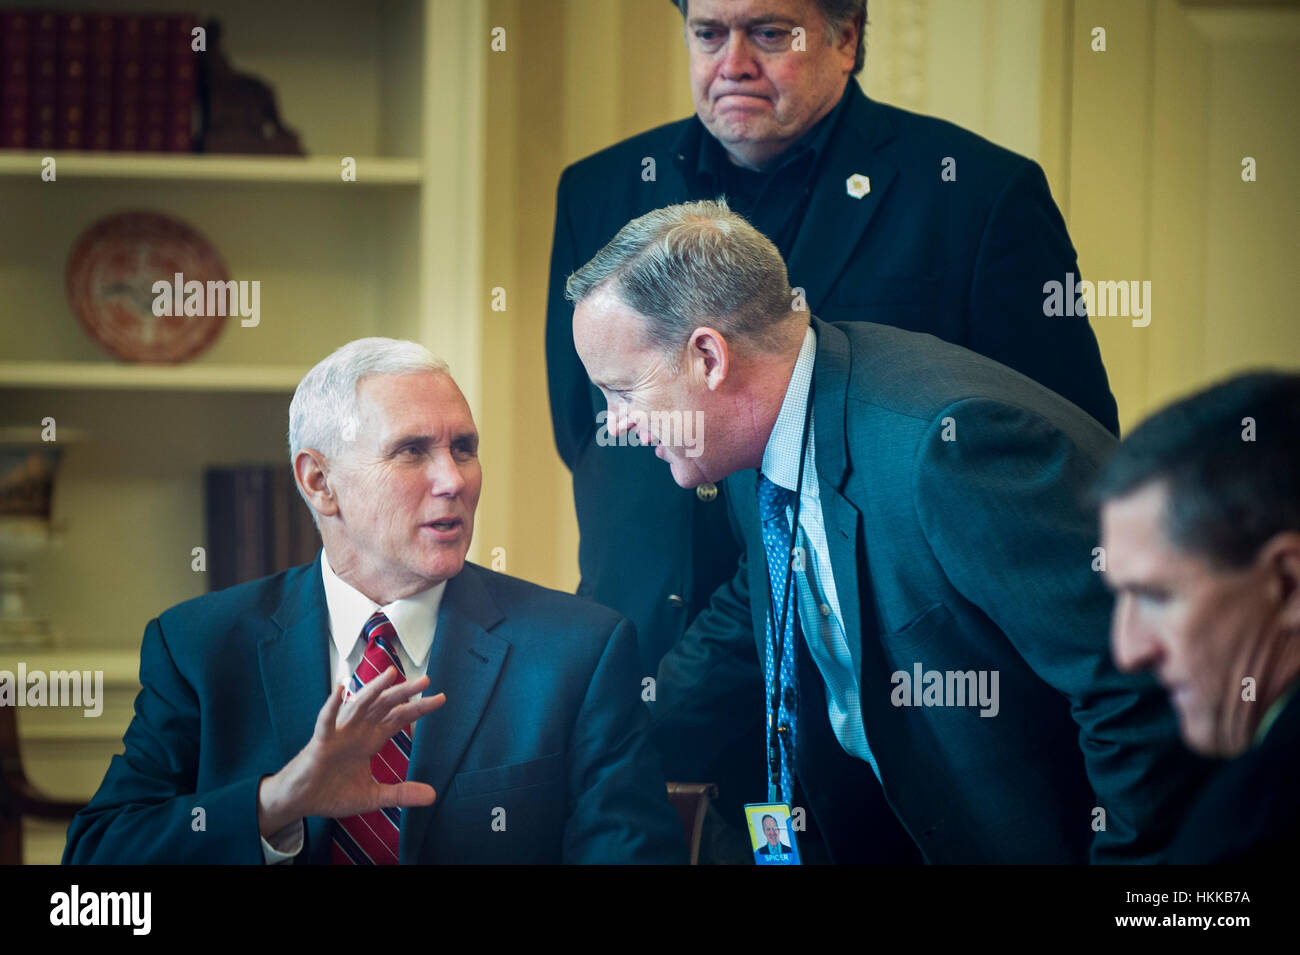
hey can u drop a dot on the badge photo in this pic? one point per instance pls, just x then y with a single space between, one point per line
770 834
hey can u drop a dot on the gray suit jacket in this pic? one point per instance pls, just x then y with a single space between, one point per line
968 554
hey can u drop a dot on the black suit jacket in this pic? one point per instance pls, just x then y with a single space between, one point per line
1250 811
964 260
951 491
543 730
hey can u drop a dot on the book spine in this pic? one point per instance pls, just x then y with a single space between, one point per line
128 67
182 84
251 531
155 98
219 505
15 79
99 86
73 81
281 525
45 82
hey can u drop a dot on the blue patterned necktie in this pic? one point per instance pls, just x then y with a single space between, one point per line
772 502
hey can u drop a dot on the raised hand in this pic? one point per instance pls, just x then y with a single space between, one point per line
330 776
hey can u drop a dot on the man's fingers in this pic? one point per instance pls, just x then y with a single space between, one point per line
407 794
408 713
401 692
328 714
364 697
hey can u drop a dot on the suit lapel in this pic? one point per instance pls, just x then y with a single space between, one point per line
293 652
464 663
816 261
842 518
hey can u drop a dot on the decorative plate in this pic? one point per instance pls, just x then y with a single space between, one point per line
111 273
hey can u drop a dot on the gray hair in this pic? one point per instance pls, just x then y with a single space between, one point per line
697 263
325 401
838 14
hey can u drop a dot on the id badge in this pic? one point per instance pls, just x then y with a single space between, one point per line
770 833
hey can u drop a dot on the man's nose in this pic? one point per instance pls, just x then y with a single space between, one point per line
737 57
615 419
1131 641
620 419
445 476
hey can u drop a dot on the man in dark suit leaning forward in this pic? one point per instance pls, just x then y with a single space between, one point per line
945 633
534 751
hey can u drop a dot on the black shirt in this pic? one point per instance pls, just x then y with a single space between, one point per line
774 200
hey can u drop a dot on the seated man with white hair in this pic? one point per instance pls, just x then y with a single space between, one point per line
389 702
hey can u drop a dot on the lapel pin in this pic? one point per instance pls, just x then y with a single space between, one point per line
858 185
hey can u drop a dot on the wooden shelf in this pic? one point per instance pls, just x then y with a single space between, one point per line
120 667
303 170
107 375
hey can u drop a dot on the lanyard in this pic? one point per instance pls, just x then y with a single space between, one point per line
778 636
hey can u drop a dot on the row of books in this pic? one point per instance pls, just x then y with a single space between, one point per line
96 81
256 524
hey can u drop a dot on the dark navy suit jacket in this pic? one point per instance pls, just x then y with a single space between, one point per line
951 490
1250 812
543 719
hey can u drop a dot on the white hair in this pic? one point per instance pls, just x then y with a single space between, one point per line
324 404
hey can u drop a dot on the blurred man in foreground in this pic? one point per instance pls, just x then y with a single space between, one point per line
533 751
1201 529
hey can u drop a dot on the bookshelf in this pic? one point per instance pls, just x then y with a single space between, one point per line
100 375
372 171
398 86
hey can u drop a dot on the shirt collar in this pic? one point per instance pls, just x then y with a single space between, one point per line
781 456
414 618
711 158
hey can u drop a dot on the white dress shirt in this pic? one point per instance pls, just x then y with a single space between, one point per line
819 605
414 618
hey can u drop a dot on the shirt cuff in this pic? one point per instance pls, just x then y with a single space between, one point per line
284 845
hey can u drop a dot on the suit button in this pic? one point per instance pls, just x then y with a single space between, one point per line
676 601
706 492
825 610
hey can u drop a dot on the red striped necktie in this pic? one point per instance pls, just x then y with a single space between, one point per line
371 838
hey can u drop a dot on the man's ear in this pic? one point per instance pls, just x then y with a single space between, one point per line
709 351
1281 559
311 472
852 29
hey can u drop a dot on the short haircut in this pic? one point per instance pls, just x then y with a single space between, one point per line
1226 496
326 398
693 264
837 14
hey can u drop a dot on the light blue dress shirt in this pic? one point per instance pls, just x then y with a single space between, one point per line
819 605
